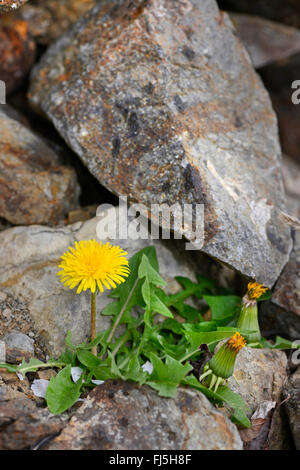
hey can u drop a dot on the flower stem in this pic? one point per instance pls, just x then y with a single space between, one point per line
93 321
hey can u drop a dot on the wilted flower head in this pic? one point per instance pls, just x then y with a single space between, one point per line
255 290
92 265
236 342
248 318
218 370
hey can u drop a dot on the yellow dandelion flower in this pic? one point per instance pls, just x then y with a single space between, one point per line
92 265
255 290
236 342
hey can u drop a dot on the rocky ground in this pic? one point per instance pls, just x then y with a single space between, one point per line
162 102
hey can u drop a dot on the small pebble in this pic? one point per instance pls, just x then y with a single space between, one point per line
3 296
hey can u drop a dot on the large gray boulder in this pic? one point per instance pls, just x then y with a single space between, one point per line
123 416
160 101
35 187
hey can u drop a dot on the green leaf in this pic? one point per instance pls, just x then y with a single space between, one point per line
189 288
146 270
9 367
223 307
280 343
157 306
200 327
167 375
171 324
134 371
191 314
88 359
62 392
236 402
209 337
130 292
103 371
224 394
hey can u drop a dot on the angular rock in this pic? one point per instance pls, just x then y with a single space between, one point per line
18 340
35 187
23 424
278 79
49 19
14 114
17 347
9 5
281 315
17 52
260 374
279 435
291 179
292 405
29 259
172 111
287 290
266 41
123 416
2 352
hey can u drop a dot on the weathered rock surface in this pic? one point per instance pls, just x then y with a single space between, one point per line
160 101
9 5
22 423
17 52
260 374
266 41
35 187
123 416
281 315
278 79
49 19
29 259
291 179
18 346
18 340
292 405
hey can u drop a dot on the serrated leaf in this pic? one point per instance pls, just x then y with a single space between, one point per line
280 343
157 306
62 392
223 307
130 293
167 375
236 402
200 327
147 271
224 394
88 359
209 337
134 371
9 367
172 325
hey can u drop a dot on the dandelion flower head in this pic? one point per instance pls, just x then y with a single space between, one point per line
92 265
255 290
236 342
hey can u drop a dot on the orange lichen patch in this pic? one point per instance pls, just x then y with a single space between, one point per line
255 290
236 342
